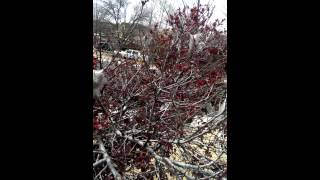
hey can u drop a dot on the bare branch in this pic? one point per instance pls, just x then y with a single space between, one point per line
107 158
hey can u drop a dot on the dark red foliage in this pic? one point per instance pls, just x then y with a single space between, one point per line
213 50
97 125
183 67
201 82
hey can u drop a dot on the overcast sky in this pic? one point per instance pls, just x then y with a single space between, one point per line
220 11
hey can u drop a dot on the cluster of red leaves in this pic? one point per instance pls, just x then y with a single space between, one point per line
142 160
100 123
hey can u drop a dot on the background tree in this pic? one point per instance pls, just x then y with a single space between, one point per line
99 25
116 14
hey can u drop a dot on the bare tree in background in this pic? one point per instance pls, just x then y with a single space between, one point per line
166 8
115 11
98 26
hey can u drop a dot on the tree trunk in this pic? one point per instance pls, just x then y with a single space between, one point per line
100 56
